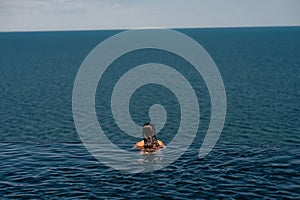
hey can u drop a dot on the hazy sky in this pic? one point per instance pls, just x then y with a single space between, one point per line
28 15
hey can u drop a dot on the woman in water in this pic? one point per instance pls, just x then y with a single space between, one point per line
149 142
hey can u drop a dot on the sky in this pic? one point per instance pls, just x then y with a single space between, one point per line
39 15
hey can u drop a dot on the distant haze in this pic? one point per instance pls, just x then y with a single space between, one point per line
32 15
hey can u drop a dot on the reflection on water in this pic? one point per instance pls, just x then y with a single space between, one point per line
151 161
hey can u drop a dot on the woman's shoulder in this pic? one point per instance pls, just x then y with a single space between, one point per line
161 144
140 144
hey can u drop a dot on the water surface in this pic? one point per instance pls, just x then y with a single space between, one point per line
257 155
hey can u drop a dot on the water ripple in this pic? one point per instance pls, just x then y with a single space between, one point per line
68 170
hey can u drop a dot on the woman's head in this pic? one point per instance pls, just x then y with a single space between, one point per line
148 130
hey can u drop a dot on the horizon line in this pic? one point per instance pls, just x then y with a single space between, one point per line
122 29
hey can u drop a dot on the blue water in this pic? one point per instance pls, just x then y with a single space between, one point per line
257 155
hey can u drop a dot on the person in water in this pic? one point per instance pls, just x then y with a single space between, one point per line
149 142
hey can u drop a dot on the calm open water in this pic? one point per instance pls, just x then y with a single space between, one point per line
257 155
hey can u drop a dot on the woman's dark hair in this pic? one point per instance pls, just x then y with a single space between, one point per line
149 135
150 142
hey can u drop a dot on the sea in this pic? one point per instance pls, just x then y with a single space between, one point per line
256 157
